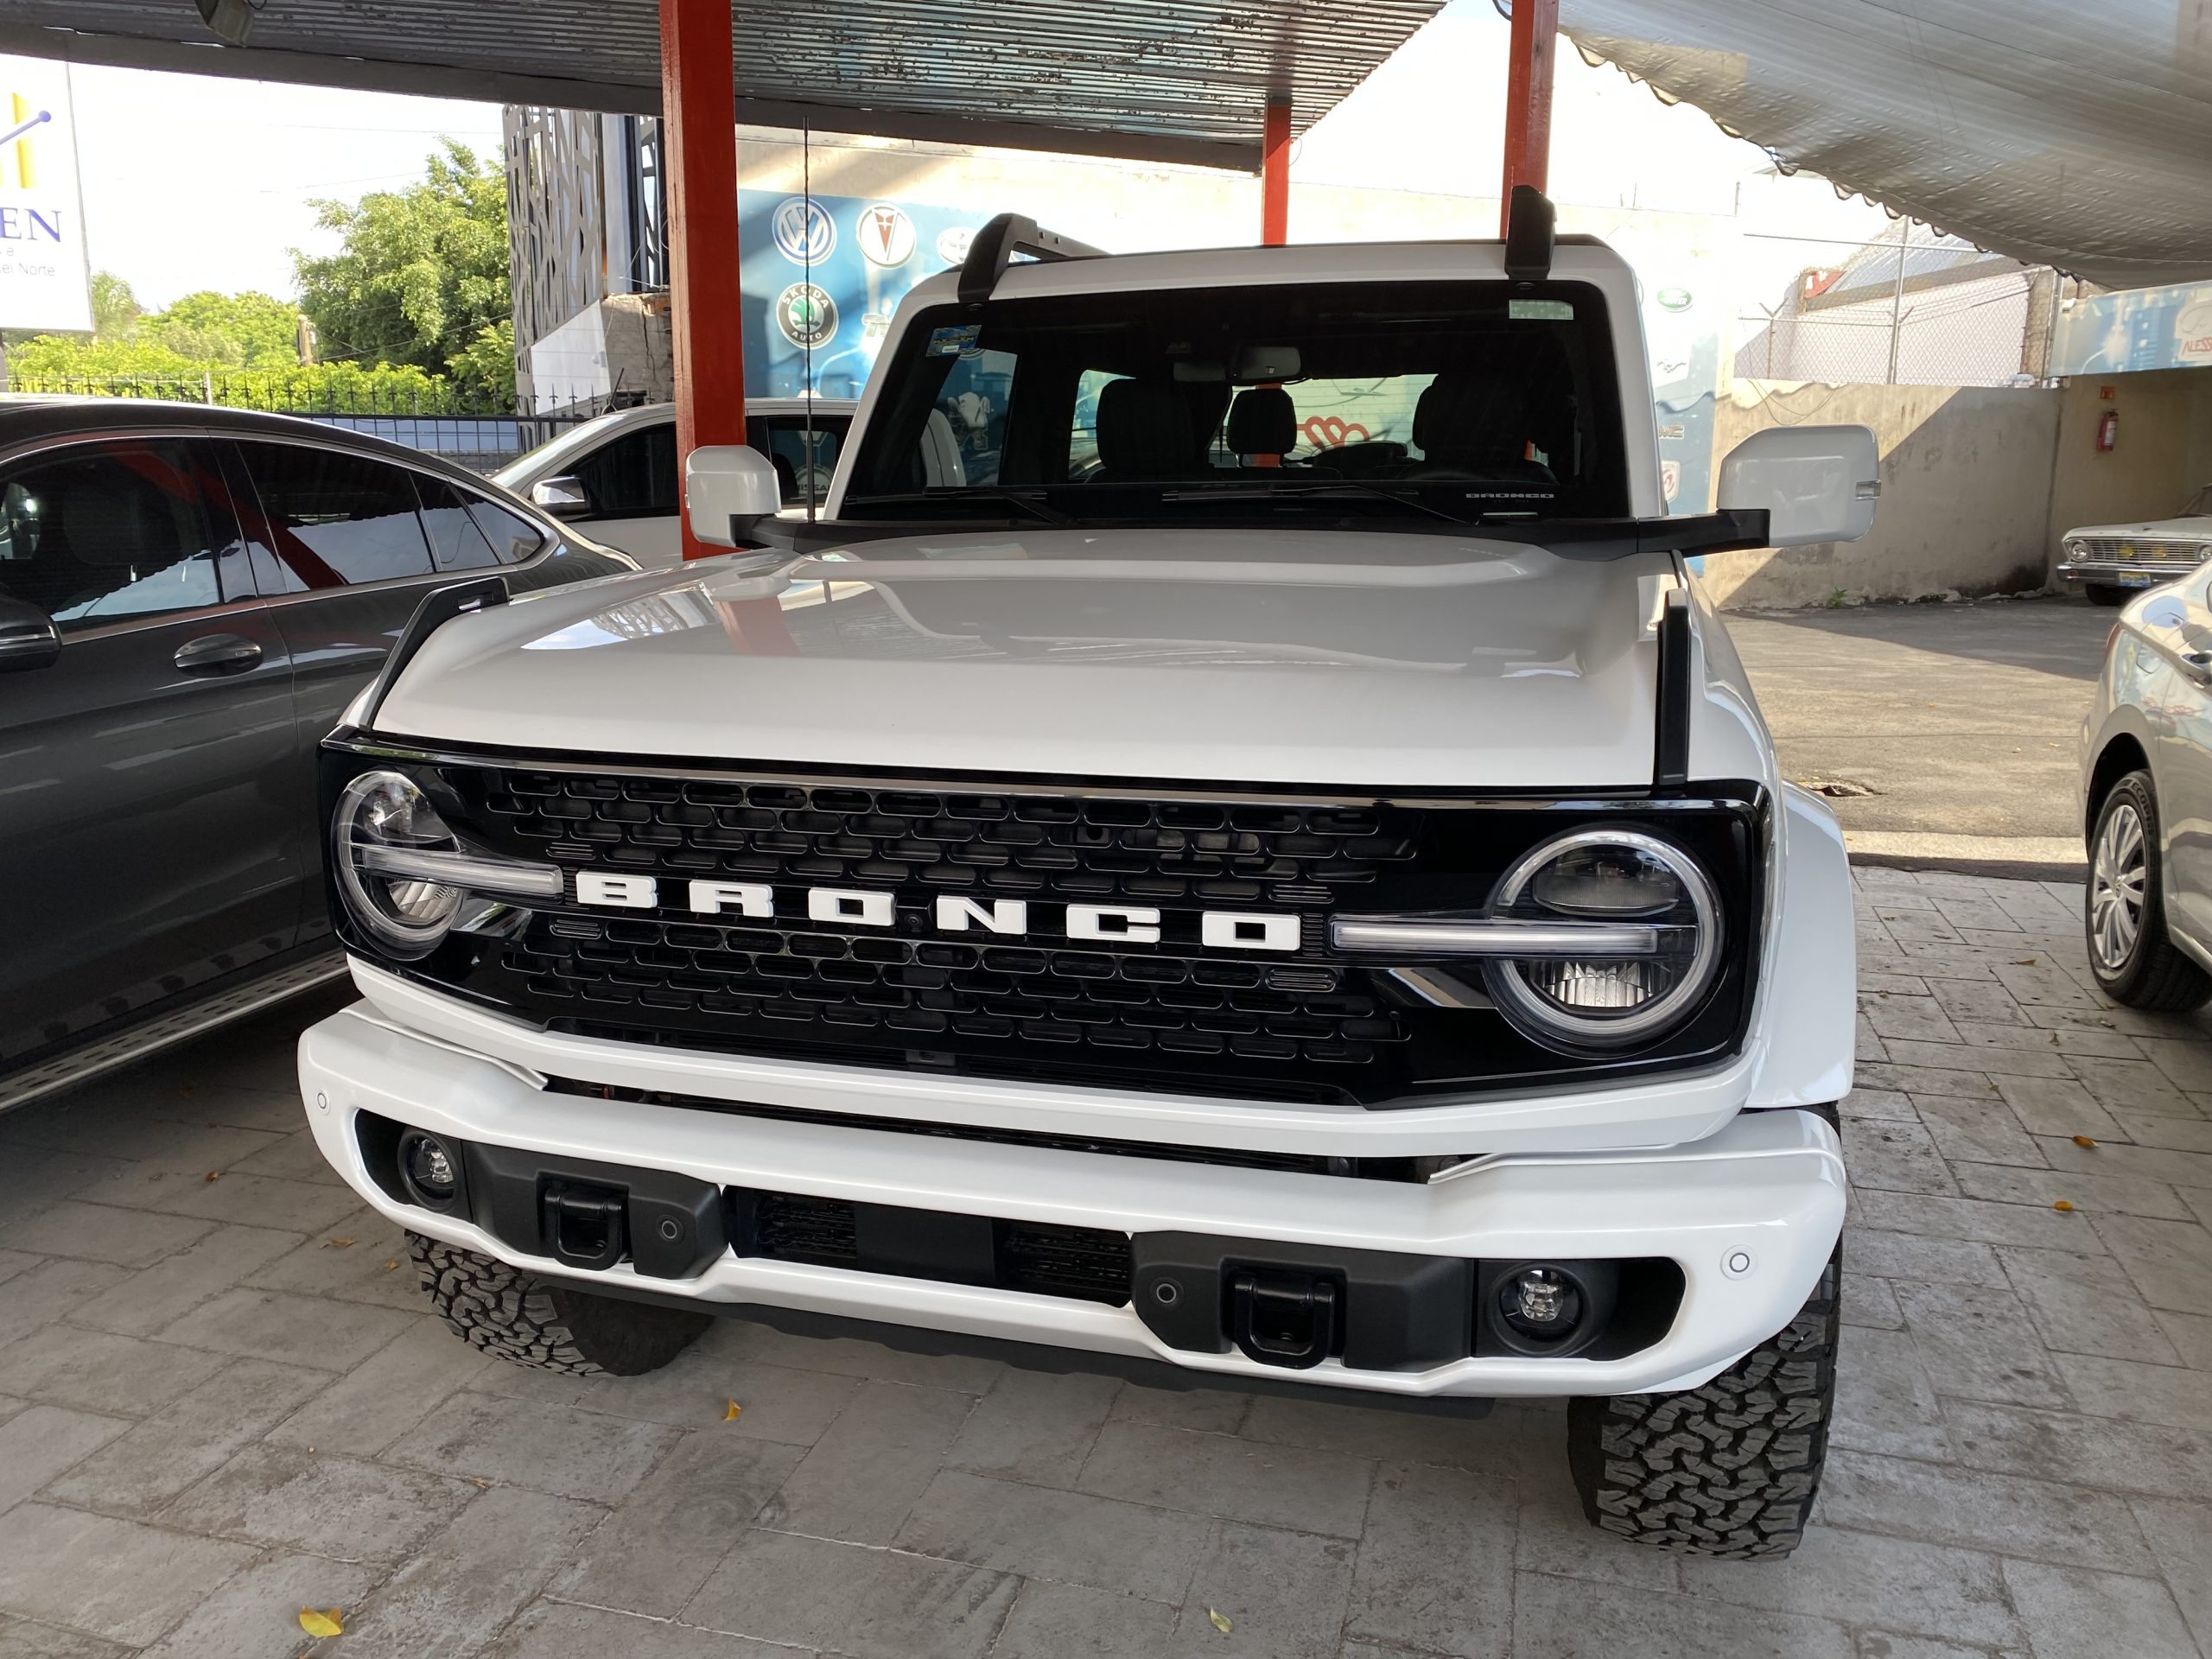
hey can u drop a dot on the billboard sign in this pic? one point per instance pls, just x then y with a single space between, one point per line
2134 330
44 279
821 277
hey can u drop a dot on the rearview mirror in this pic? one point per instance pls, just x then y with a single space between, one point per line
563 497
727 481
1815 483
27 636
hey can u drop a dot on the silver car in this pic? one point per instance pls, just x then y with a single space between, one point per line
2147 769
617 475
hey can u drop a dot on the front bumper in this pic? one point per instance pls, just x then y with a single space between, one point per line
1749 1213
2125 573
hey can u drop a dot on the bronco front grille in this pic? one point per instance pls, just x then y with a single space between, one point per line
1176 1015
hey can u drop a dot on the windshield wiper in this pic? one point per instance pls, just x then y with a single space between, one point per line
1320 486
1026 500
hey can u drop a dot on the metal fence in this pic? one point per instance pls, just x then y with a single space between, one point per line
432 418
1915 308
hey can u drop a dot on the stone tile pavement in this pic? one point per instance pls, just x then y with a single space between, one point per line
221 1400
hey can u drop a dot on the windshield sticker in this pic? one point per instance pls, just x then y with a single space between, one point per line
1540 311
952 343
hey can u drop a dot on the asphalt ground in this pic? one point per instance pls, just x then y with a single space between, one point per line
1943 735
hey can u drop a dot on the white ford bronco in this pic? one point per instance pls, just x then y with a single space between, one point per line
1233 854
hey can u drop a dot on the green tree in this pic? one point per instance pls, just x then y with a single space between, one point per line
116 309
421 274
239 330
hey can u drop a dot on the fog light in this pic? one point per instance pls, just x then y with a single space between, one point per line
1540 1302
429 1169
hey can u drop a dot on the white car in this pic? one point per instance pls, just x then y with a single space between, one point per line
1175 887
2109 562
618 473
2146 777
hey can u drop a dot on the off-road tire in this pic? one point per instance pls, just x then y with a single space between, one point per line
538 1322
2156 974
1728 1469
2103 593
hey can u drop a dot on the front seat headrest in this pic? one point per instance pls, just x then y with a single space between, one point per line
1144 430
1263 422
1471 420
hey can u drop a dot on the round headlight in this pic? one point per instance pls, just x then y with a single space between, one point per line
1653 922
405 915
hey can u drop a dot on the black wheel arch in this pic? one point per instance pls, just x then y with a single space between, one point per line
2123 753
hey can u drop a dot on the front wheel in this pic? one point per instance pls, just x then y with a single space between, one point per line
2103 593
2124 912
546 1323
1727 1469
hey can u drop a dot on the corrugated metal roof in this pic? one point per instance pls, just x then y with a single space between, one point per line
2058 132
1162 80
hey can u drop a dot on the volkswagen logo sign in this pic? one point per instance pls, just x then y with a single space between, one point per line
807 315
804 230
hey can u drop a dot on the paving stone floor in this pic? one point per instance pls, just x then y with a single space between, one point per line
221 1401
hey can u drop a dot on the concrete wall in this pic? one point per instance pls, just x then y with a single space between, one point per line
1966 494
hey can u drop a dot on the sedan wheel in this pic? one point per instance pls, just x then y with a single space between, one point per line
2124 910
2116 889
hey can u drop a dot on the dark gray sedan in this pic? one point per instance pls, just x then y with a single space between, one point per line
188 598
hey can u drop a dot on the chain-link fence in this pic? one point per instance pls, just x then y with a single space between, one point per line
1911 308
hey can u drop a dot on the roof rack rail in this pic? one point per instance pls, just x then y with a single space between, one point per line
997 243
1530 219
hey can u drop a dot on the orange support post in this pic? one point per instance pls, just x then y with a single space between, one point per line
698 93
1529 100
1274 174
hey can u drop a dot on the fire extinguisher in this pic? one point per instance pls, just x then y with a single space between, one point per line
2108 431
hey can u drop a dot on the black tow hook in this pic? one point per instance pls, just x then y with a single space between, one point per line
1283 1319
583 1225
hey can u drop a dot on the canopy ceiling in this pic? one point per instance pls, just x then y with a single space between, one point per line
2060 132
1178 80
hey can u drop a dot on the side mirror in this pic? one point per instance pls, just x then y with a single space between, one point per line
563 497
28 636
1815 483
728 481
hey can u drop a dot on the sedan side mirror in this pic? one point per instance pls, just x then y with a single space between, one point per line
28 636
563 497
1815 483
724 483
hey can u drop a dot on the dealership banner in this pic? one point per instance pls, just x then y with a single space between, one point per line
822 275
44 281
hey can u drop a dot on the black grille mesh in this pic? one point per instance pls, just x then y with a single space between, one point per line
1045 849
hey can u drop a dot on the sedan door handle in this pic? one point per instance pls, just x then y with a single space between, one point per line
2197 664
216 653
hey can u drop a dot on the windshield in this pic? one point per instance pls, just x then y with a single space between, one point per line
1472 400
2200 505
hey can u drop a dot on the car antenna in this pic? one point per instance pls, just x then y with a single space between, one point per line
806 345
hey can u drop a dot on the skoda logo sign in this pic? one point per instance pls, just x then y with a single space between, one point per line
807 315
886 234
804 231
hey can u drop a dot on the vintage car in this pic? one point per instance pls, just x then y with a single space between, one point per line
2110 562
1124 892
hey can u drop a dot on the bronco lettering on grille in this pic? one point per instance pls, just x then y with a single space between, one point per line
1006 917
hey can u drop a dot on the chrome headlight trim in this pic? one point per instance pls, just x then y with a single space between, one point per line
1543 1020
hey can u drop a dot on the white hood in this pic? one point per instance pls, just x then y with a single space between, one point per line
1213 655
